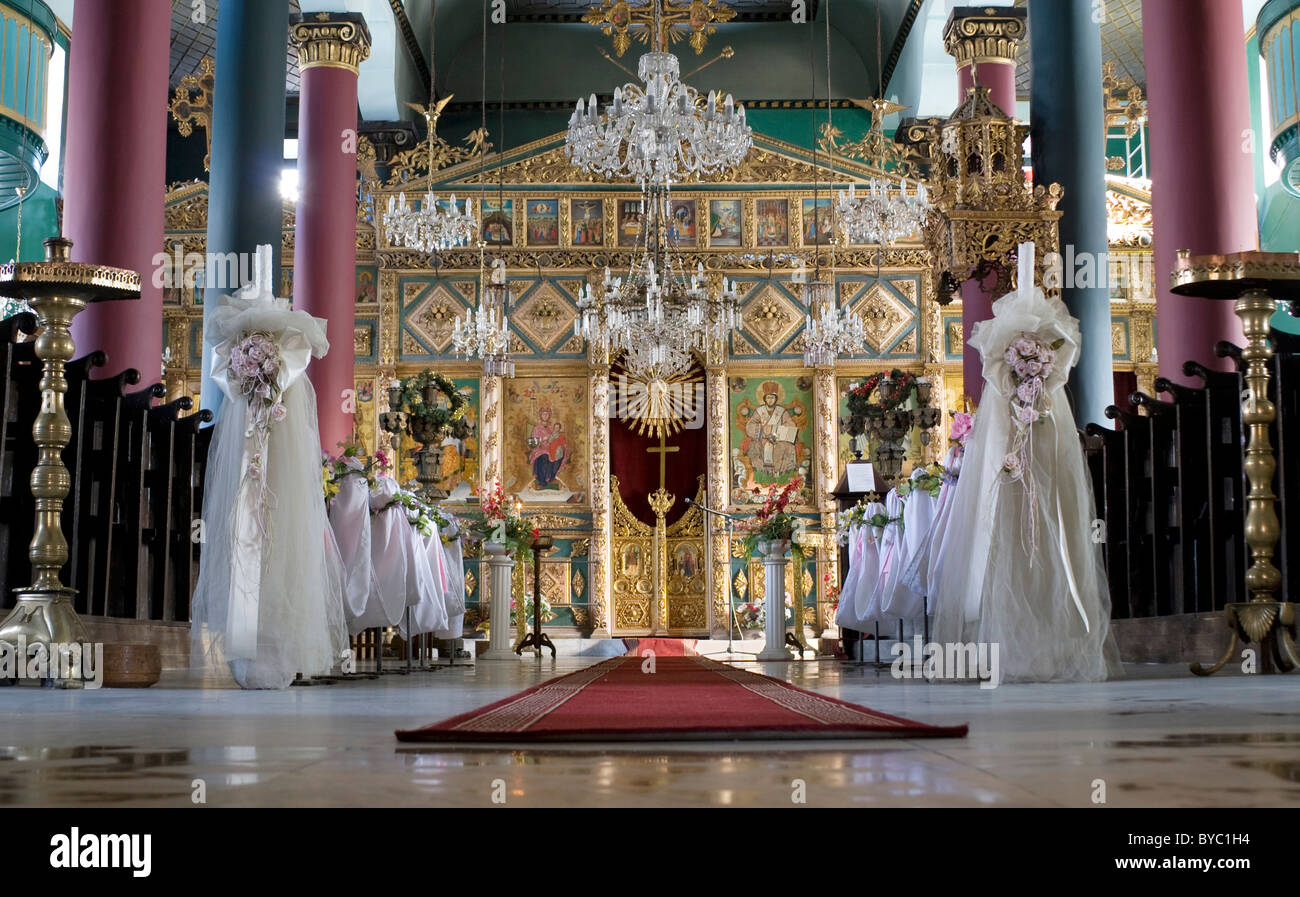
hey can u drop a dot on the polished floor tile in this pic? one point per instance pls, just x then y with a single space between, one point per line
1160 737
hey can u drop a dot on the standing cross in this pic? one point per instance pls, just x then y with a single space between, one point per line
662 451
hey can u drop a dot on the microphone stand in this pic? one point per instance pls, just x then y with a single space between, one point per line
731 613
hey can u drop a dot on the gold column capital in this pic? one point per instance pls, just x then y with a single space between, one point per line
983 34
330 39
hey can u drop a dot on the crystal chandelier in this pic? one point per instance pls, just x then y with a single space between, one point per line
884 213
430 227
659 313
485 331
656 132
828 330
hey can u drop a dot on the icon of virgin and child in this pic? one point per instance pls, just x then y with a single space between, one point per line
548 450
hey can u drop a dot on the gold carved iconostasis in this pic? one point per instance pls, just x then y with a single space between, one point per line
546 433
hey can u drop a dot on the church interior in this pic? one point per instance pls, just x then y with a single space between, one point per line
425 402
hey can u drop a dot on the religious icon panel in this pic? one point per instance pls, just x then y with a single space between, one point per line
543 222
587 217
545 458
771 436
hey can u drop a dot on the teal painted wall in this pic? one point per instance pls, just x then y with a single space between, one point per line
40 220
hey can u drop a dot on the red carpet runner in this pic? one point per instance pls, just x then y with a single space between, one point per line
684 699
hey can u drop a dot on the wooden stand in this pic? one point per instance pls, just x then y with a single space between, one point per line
537 639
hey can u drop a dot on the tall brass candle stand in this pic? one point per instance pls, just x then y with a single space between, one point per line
57 289
1254 281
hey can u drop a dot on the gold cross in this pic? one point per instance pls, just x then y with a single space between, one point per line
662 451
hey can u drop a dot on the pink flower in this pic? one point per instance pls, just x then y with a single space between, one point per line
1011 356
1011 465
962 424
1028 414
1028 391
1034 367
278 411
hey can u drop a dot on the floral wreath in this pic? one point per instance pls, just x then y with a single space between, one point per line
861 407
414 405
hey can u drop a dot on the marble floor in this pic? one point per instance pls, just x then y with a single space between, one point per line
1160 738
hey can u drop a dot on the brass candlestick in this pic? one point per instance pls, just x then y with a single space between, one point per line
1254 281
57 289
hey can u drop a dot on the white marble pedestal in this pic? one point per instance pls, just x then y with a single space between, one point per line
501 566
775 557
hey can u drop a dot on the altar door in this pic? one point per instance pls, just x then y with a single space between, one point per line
659 572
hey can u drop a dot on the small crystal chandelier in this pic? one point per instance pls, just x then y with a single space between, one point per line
485 331
429 227
884 213
656 133
828 331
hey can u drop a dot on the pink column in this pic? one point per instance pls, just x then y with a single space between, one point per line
325 257
1203 189
984 42
115 169
999 76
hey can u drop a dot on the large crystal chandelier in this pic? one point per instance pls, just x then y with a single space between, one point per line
484 332
658 132
660 312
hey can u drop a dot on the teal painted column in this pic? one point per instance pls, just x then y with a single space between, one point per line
1068 130
244 207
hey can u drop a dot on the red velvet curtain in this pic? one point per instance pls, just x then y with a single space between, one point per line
638 469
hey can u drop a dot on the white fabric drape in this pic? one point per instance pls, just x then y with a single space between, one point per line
854 603
388 554
264 603
890 546
1019 568
904 595
933 556
425 591
350 520
452 569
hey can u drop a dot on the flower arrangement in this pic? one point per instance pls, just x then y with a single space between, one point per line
750 616
547 613
501 522
858 516
860 406
430 420
1031 360
832 589
772 522
351 461
255 363
931 481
